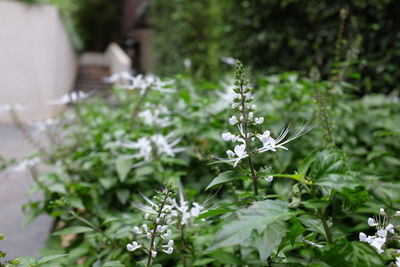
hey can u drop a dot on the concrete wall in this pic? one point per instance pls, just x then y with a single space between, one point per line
118 59
145 38
37 60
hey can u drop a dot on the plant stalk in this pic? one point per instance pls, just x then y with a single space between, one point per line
245 131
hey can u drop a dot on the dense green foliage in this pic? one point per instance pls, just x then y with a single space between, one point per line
325 186
274 36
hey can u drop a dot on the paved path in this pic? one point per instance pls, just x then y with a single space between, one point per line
13 187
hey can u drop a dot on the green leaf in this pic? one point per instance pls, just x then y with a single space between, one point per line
123 166
223 178
108 182
270 239
76 202
57 188
216 212
312 223
295 230
256 217
203 262
74 230
348 254
51 258
123 195
113 264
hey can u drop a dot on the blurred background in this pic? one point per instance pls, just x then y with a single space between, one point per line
49 47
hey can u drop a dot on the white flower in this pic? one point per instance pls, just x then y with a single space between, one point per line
170 250
187 63
271 144
253 107
15 107
251 116
240 151
147 216
378 242
167 235
382 233
390 228
397 213
153 117
153 253
160 143
170 244
398 261
228 60
196 210
269 179
382 211
371 222
145 228
148 235
228 137
26 164
133 246
136 230
230 153
363 237
69 98
259 120
233 120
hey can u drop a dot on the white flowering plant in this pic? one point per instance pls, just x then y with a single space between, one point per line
300 203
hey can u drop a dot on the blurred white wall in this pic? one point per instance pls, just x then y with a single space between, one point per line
37 60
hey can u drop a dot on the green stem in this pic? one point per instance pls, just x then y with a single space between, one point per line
245 131
153 234
328 234
76 216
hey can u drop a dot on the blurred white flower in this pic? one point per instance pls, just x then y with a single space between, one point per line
187 63
26 164
42 126
156 116
16 107
233 120
133 246
371 222
73 97
228 60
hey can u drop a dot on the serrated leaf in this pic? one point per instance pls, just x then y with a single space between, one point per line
123 195
348 254
123 166
270 239
216 212
295 230
223 178
57 188
74 230
51 258
113 264
256 217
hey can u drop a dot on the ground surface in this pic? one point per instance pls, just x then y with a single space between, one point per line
13 187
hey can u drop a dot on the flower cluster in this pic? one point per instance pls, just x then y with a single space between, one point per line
73 97
157 116
242 103
42 126
186 214
156 236
26 164
155 145
140 82
7 108
385 233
